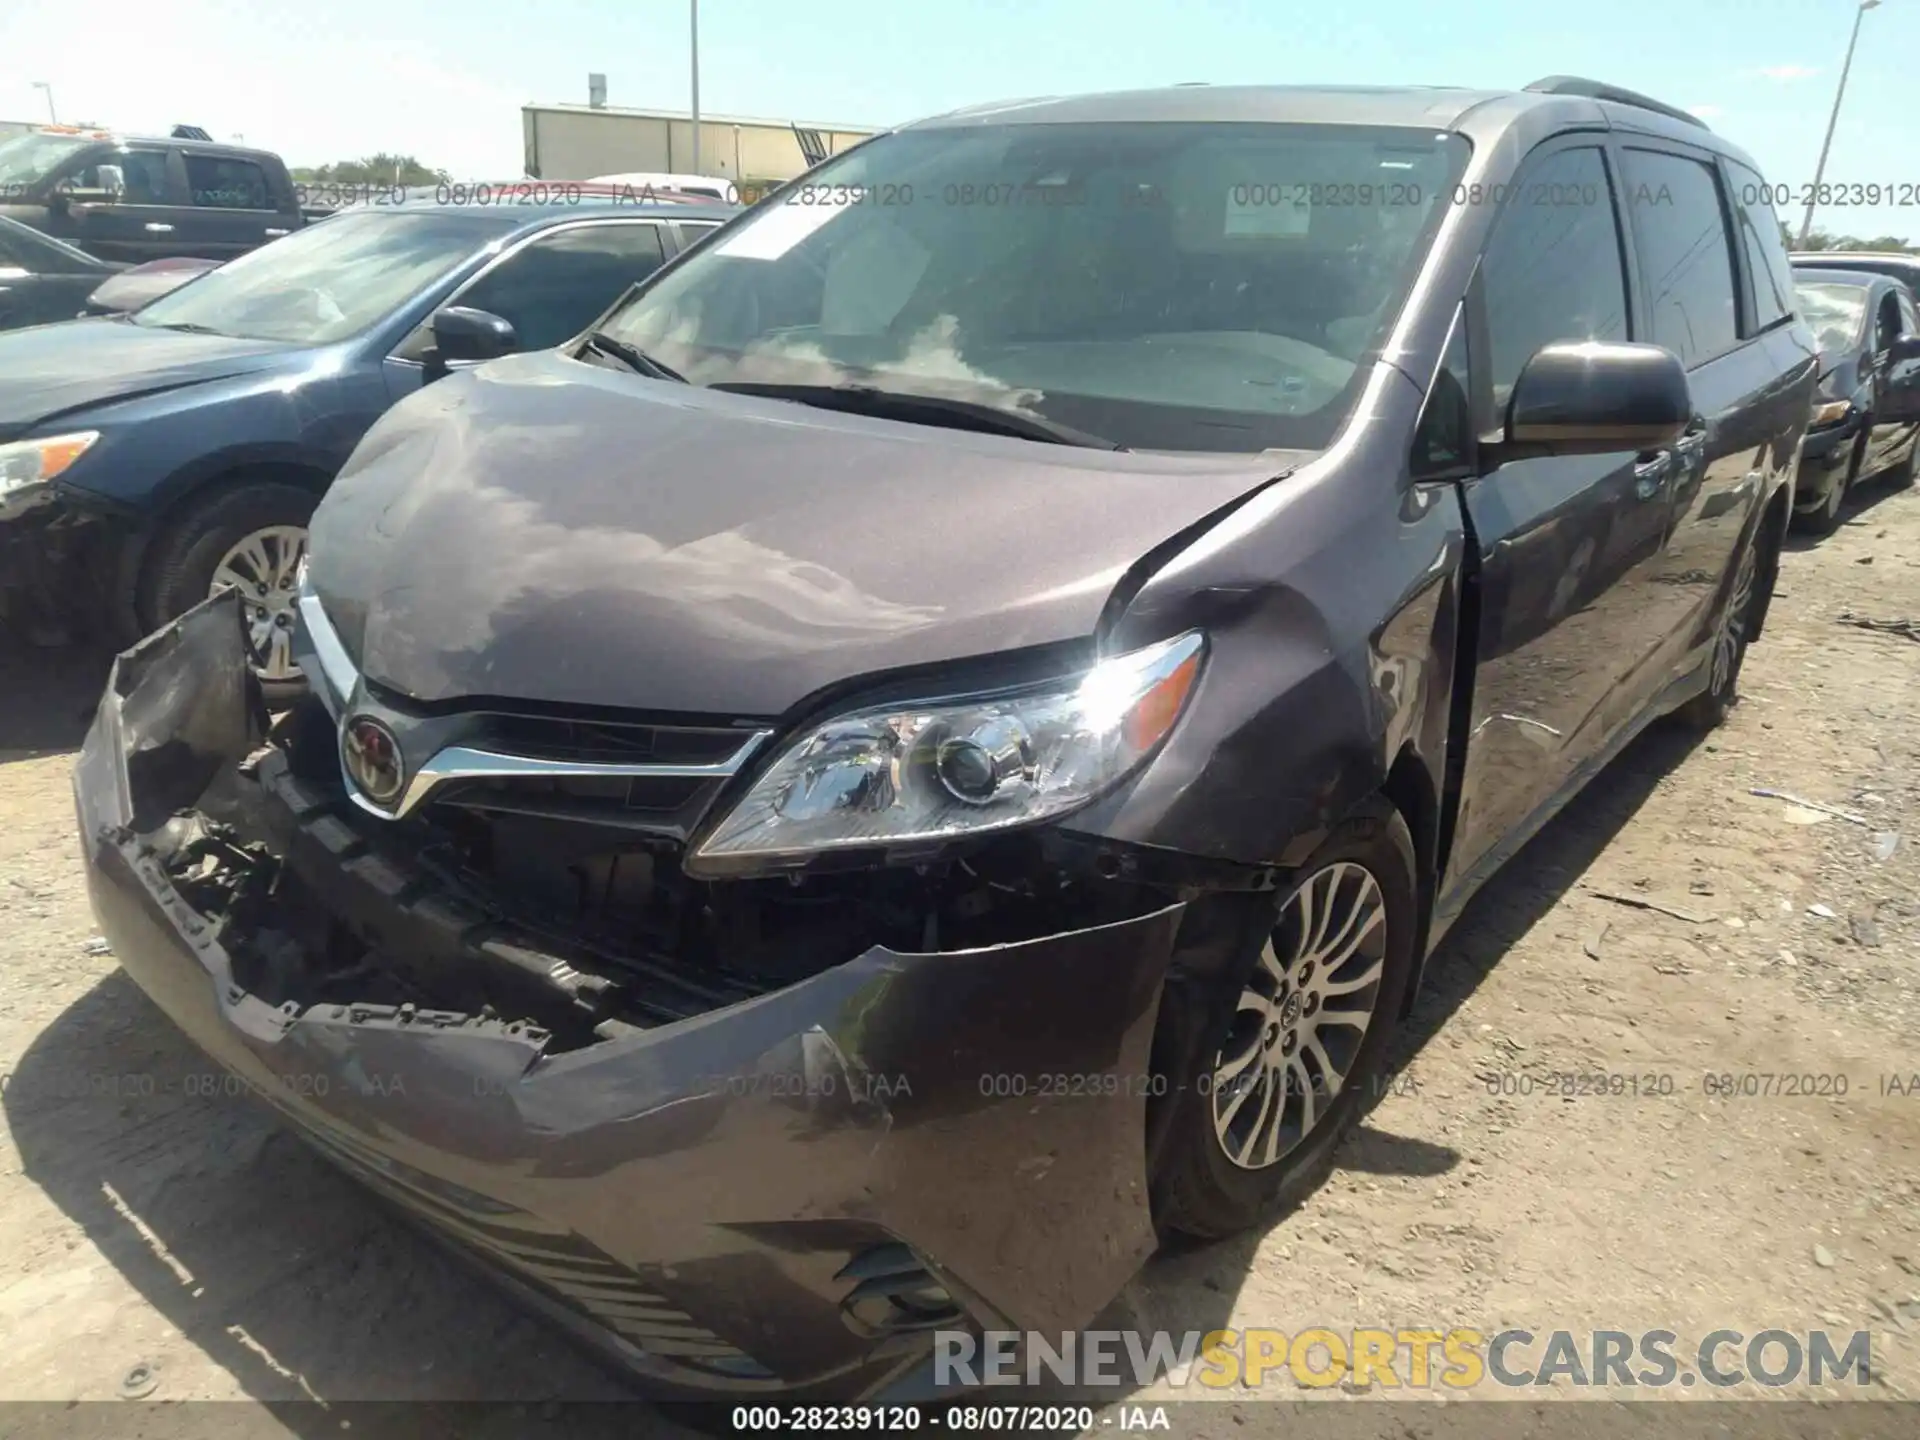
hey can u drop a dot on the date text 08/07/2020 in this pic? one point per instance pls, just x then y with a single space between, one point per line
961 1419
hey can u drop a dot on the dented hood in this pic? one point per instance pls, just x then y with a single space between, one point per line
546 529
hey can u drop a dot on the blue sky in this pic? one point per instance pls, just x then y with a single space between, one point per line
445 80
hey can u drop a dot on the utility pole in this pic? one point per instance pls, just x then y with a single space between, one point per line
44 85
693 8
1820 170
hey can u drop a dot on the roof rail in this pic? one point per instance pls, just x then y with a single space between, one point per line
1600 90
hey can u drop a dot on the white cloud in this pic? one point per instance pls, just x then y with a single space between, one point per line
1787 72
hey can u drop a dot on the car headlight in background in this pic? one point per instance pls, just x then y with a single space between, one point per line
1830 412
900 774
35 462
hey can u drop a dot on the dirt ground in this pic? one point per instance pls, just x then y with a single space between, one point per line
144 1224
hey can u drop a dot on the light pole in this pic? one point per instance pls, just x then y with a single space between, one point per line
1806 225
693 8
43 85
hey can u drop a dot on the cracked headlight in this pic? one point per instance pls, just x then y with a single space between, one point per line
26 463
908 774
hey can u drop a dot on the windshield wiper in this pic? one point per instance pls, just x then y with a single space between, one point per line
634 358
921 409
187 327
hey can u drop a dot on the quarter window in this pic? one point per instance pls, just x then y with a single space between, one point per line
1553 270
1767 262
1686 254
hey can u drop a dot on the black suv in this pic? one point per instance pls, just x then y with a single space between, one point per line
931 747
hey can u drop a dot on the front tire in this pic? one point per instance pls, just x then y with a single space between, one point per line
1296 1038
1826 519
249 536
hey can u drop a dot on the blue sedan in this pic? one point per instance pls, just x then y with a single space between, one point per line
149 460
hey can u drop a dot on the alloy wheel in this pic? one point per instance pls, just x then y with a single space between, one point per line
1301 1017
1732 632
262 566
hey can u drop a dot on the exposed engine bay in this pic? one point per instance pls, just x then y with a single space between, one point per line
570 927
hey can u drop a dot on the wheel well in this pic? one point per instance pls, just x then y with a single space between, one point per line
137 557
1411 790
1773 530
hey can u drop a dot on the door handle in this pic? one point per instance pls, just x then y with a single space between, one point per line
156 228
1650 475
275 234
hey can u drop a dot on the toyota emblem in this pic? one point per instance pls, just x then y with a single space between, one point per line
372 757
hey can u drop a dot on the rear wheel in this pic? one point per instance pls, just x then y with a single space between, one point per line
250 538
1730 633
1298 1036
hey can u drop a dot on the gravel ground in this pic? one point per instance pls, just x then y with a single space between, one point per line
145 1223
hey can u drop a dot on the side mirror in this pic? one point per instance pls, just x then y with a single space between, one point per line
1596 398
1906 348
464 335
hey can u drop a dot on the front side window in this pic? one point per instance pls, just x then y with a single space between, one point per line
134 176
560 283
223 184
328 281
1188 286
1686 258
1553 270
1888 329
1909 321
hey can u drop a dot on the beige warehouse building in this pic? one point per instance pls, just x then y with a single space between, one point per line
576 142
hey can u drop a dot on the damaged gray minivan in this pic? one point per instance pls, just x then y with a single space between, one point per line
930 748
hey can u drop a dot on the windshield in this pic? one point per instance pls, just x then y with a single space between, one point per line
328 281
1835 313
1168 286
26 160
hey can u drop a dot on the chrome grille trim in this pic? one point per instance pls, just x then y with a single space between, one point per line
461 762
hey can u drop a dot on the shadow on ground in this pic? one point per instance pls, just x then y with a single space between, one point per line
47 697
301 1287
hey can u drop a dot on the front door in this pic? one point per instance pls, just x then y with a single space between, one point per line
1567 545
140 219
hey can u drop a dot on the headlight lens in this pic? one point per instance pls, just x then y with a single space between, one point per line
35 462
902 774
1830 412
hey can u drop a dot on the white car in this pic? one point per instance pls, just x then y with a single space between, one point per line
716 187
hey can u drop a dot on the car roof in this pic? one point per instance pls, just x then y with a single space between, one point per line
553 211
1481 114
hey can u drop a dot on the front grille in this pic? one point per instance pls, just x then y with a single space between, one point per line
542 737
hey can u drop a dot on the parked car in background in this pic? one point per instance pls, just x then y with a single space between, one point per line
1864 422
933 748
139 285
1895 264
42 279
710 187
145 461
134 199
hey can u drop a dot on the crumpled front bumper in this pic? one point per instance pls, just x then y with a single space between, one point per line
1824 457
725 1202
